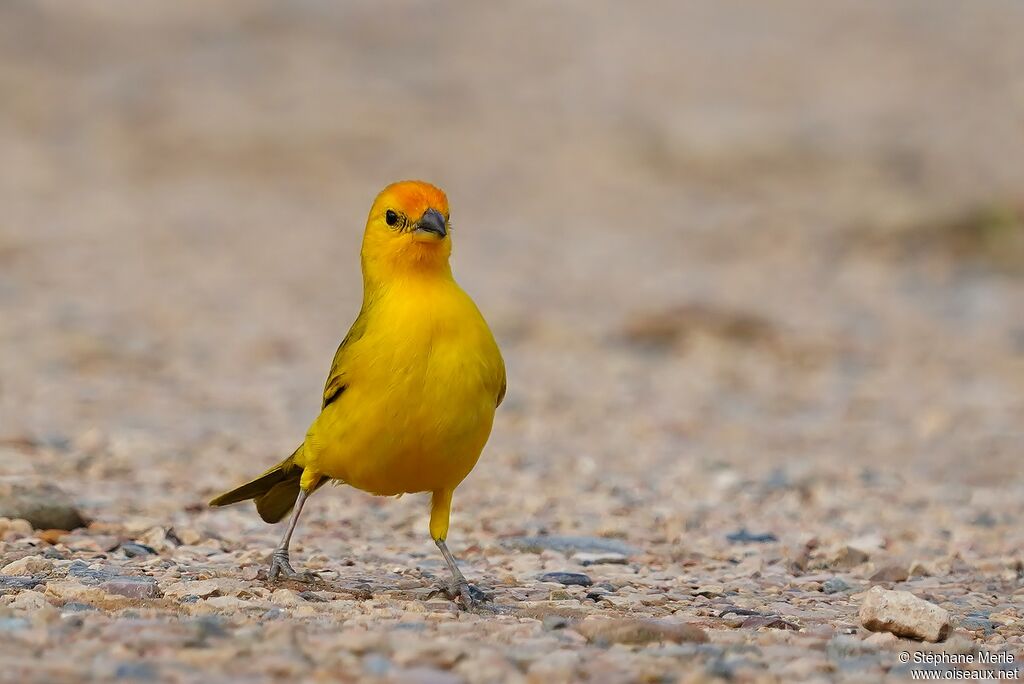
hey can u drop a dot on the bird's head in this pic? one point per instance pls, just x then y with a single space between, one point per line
407 231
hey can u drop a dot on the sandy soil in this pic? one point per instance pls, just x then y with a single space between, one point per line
753 267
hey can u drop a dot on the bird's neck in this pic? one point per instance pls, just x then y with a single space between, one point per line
409 278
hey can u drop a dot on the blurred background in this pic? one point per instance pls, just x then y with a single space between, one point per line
741 257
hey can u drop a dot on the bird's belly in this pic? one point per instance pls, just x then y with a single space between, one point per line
407 432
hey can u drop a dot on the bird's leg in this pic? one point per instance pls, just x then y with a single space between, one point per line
460 586
279 562
440 512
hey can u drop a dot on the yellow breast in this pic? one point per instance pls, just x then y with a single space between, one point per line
421 391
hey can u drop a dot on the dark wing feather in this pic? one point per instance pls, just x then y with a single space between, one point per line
336 379
501 392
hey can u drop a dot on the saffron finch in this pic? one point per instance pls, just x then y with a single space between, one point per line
411 395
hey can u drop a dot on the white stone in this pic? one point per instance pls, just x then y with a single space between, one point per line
29 565
904 615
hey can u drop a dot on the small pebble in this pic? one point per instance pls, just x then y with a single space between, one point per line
742 536
567 578
136 550
835 585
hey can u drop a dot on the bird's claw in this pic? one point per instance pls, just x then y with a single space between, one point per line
280 567
471 596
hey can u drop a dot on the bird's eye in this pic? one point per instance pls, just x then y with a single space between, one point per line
391 218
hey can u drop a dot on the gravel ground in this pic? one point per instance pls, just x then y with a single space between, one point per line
757 271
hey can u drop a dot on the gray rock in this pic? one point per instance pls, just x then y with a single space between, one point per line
742 536
312 597
135 550
835 585
43 504
976 622
137 671
569 544
86 575
11 583
567 578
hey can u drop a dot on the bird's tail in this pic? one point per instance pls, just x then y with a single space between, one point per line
274 491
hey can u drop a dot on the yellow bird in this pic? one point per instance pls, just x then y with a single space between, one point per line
411 395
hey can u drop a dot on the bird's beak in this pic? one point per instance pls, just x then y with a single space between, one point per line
432 221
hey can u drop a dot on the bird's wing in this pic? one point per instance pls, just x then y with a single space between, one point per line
336 379
501 392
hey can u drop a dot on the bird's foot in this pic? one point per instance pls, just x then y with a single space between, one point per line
281 568
472 597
